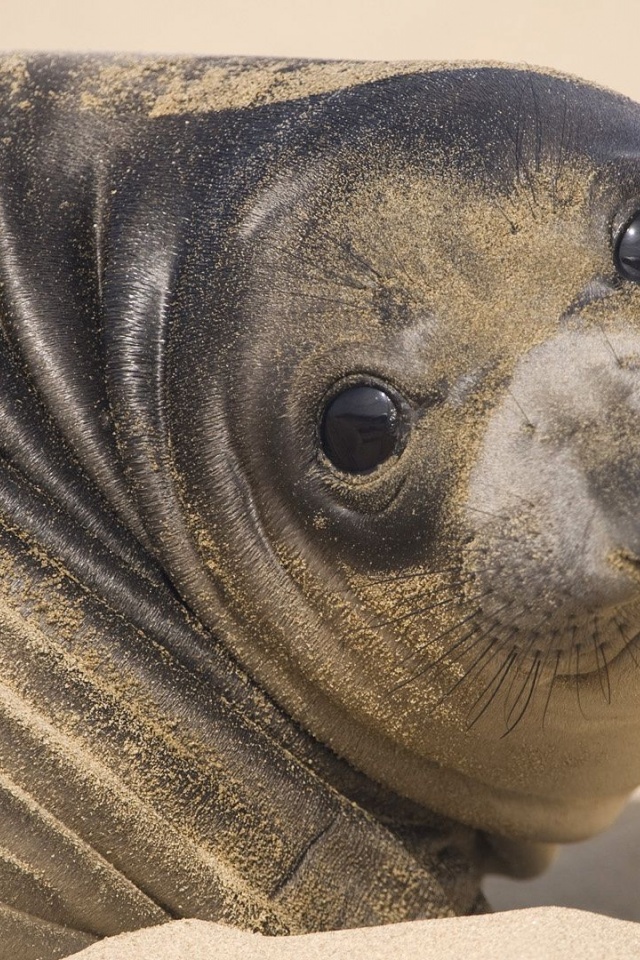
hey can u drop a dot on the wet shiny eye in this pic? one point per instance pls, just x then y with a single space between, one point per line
628 250
361 427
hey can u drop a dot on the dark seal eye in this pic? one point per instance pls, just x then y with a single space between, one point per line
628 250
361 428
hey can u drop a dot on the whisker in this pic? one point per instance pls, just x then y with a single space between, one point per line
434 663
534 664
404 288
520 408
629 642
416 576
398 262
522 655
511 728
513 226
553 680
609 344
416 611
577 675
347 247
458 644
606 691
474 666
488 513
493 535
326 273
504 669
317 298
599 652
431 642
448 653
511 493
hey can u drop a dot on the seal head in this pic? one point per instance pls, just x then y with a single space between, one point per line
457 615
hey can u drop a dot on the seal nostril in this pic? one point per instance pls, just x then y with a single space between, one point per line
627 562
630 362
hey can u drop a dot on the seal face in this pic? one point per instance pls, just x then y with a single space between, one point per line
319 484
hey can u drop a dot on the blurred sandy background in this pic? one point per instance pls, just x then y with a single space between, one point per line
590 38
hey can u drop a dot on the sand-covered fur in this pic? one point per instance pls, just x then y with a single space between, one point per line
240 682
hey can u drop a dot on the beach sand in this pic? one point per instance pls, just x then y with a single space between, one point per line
601 875
552 933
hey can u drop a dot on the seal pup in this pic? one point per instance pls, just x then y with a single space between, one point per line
319 565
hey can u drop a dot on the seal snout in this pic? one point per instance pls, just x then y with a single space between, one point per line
554 503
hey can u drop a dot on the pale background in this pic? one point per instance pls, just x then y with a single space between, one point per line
595 39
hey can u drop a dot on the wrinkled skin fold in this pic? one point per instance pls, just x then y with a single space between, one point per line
236 683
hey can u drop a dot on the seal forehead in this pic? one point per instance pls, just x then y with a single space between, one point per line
443 271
